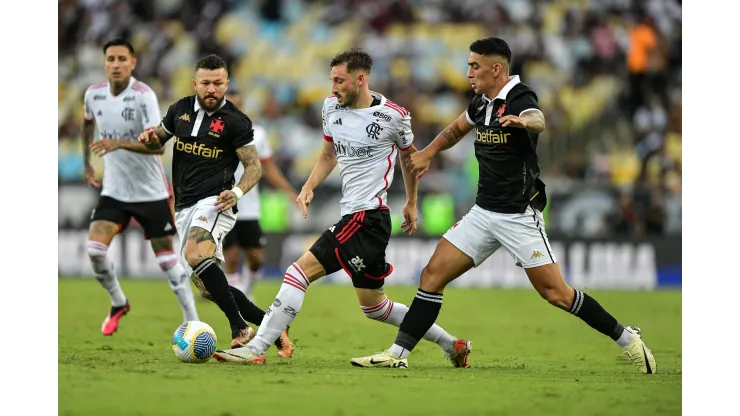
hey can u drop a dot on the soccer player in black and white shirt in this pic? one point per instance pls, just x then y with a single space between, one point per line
507 212
212 136
363 134
134 183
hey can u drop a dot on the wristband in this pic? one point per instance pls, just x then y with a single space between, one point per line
238 192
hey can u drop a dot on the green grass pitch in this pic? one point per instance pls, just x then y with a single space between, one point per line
528 358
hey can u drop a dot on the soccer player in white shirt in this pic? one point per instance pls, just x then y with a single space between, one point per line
363 133
247 233
134 184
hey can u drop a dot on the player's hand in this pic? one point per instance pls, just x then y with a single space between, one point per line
419 163
226 200
512 121
90 176
104 146
303 200
409 218
148 136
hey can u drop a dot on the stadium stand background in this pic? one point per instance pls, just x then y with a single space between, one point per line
608 75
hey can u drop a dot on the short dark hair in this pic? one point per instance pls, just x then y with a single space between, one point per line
211 62
355 59
492 46
119 42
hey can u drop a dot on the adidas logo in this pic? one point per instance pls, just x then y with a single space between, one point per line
339 121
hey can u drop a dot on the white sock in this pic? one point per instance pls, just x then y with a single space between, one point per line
179 282
398 351
283 310
625 339
105 273
393 313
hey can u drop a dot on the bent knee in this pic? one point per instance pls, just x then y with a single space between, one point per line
560 298
433 278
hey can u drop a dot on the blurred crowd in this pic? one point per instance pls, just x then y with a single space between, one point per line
607 72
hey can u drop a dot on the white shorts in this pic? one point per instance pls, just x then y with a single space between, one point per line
480 233
204 215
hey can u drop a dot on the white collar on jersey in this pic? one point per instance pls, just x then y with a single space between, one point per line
513 80
196 106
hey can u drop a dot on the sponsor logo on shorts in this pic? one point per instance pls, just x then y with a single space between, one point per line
536 254
202 218
357 264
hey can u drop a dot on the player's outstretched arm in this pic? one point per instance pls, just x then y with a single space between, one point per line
533 120
411 183
324 166
450 136
155 138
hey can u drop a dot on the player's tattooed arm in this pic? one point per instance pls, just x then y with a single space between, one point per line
534 121
451 135
252 167
410 181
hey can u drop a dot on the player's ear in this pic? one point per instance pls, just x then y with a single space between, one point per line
194 84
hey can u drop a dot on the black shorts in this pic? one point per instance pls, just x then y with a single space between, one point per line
155 217
246 234
357 244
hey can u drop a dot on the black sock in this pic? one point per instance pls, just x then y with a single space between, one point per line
420 317
214 280
251 312
588 309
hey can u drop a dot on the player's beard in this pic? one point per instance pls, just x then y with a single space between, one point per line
209 107
349 98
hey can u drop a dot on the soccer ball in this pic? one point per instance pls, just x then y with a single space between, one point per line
194 342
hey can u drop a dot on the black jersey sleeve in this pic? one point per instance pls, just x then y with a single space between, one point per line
168 122
475 103
243 133
523 102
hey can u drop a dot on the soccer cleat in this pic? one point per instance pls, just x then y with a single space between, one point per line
459 359
287 350
245 335
639 354
110 323
239 355
381 359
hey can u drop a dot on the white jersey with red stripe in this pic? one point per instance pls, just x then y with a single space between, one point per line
128 176
366 142
248 206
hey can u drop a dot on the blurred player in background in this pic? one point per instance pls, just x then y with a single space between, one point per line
212 137
247 233
507 212
134 184
363 133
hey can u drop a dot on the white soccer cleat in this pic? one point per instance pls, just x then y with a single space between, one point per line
639 354
381 359
243 355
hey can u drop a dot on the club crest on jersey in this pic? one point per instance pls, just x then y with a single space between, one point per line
373 130
185 117
501 110
216 128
